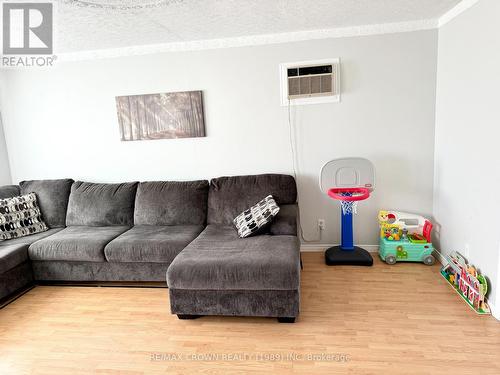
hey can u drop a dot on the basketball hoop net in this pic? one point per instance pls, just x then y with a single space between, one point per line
348 207
349 198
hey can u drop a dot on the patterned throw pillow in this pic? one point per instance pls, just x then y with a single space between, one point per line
20 216
253 220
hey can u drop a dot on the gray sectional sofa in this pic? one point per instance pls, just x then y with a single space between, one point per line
142 232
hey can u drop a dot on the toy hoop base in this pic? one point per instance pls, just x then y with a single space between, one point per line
336 256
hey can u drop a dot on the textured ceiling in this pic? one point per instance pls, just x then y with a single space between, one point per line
84 26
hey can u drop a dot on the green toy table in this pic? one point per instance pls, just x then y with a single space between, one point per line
406 251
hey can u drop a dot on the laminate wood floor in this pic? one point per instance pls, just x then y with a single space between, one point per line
401 319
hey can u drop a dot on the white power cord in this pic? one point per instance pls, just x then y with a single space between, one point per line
293 144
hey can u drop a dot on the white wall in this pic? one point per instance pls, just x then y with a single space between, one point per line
467 159
69 125
5 178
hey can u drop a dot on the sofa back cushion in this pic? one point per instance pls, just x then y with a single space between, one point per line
101 204
53 196
286 221
9 191
171 203
228 196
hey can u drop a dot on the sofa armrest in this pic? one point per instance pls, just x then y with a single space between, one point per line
285 222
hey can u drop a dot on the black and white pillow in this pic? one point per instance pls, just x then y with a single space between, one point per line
251 221
20 216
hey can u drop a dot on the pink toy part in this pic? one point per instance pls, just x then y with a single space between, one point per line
358 194
427 230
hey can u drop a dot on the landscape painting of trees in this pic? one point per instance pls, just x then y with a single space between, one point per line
160 116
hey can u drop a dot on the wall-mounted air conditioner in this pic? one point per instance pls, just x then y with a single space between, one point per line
310 82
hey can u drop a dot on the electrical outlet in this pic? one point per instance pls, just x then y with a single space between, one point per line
321 224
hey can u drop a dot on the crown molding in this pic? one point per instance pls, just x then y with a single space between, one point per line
255 40
259 40
455 11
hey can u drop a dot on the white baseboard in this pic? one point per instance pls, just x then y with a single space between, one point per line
311 248
320 247
494 311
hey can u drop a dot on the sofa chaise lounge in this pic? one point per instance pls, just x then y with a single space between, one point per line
140 232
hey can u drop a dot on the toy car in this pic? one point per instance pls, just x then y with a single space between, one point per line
406 251
405 237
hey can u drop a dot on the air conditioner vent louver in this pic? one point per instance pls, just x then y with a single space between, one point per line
310 82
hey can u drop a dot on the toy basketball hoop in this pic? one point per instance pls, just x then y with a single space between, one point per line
348 180
349 197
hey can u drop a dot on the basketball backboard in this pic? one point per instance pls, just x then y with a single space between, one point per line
347 173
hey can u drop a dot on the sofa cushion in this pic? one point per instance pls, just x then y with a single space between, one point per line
219 260
101 205
286 221
228 196
52 197
14 252
12 256
20 216
151 244
28 240
78 243
9 191
171 203
257 218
